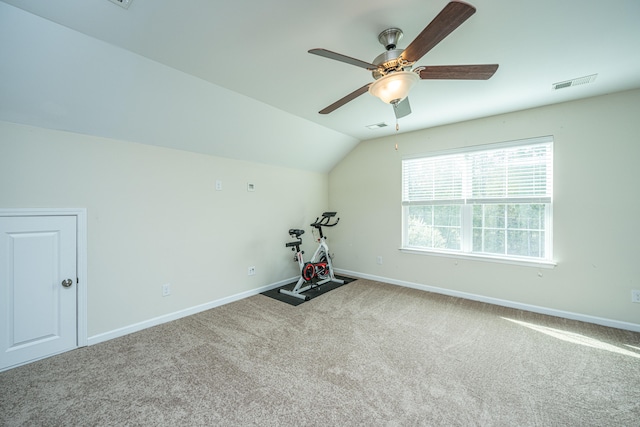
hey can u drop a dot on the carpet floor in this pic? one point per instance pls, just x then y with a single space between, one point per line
364 354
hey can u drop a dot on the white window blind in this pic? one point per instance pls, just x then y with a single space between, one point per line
431 179
520 172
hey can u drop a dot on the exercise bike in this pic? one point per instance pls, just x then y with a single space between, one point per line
318 270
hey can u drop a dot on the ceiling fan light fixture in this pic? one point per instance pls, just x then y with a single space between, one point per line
393 87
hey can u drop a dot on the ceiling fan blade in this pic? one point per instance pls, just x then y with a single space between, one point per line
457 72
402 108
339 103
344 58
450 18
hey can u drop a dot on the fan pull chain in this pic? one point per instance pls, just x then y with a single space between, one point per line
395 112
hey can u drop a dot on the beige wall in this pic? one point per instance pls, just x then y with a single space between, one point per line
154 217
596 240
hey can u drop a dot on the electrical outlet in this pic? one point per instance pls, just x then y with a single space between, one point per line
379 260
252 271
635 295
218 185
166 289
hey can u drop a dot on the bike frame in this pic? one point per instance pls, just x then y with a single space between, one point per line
320 257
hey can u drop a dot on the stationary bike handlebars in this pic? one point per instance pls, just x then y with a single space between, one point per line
324 222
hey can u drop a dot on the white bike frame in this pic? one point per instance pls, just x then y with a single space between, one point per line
321 251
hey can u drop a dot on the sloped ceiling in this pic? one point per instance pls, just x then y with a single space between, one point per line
258 50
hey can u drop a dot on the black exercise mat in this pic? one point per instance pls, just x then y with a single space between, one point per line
311 293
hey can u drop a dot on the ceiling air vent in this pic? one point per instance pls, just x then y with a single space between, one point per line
574 82
377 126
123 3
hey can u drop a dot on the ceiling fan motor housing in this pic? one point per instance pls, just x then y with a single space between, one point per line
389 62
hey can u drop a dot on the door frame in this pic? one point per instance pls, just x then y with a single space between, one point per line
81 254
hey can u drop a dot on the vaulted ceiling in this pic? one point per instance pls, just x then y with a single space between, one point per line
259 49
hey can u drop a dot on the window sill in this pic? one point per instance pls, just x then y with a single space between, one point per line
489 258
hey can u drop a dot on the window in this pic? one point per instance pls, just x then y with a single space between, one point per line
491 200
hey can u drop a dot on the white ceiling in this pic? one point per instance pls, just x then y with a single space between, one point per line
259 49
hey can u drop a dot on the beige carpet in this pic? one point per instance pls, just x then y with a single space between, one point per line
366 354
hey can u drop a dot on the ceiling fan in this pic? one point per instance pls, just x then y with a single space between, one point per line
392 69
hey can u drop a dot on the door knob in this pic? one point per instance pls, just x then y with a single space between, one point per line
67 283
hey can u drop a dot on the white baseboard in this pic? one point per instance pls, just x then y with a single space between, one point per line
496 301
489 300
182 313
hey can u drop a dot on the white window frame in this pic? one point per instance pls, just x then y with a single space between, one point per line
466 251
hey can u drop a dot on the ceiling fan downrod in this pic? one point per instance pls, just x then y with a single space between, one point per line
390 37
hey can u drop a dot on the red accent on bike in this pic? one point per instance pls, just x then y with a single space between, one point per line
308 271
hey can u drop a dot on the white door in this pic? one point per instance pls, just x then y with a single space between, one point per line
38 289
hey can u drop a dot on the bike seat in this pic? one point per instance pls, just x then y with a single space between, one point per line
296 232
